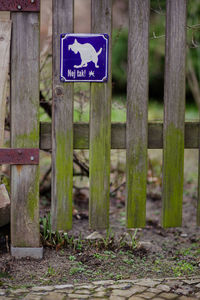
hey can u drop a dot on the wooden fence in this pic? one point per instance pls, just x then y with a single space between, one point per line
136 136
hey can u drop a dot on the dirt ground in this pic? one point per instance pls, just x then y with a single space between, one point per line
156 252
118 253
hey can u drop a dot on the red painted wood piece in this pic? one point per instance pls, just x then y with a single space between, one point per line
20 5
19 156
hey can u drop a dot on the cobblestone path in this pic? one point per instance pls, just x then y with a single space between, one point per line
158 289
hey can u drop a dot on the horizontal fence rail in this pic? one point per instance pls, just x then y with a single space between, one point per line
118 135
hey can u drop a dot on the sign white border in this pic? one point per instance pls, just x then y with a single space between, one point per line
63 36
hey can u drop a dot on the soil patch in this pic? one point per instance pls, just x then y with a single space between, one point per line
119 254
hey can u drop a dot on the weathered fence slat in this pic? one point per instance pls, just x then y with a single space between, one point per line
62 124
198 196
25 232
100 123
174 112
118 135
5 34
137 113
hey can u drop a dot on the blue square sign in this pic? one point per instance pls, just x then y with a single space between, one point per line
84 57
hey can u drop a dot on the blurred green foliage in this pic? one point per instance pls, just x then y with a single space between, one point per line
156 49
193 34
119 59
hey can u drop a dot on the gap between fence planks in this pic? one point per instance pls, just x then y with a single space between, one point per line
100 127
137 113
25 130
62 124
174 112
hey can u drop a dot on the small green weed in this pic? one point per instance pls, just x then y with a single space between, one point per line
4 275
109 239
46 223
128 261
133 239
76 269
119 276
98 256
50 272
183 268
72 258
110 254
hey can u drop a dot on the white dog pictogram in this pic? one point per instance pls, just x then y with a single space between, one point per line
87 53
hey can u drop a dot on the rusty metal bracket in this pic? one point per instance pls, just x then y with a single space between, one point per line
19 156
20 5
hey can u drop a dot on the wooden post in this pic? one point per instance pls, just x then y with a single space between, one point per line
100 127
5 35
198 190
25 233
62 124
137 113
174 113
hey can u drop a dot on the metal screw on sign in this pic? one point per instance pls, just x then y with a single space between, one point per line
32 1
19 7
32 158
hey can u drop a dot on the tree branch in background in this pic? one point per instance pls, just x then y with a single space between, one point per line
45 105
84 168
193 83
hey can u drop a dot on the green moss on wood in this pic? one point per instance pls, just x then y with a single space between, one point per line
99 181
33 198
136 186
64 181
198 198
27 140
100 141
173 172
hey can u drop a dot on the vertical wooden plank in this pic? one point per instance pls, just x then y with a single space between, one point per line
62 126
198 196
198 189
100 127
5 34
137 113
174 112
25 130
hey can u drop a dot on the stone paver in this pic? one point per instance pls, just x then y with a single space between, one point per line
135 298
168 295
157 289
148 295
54 296
163 287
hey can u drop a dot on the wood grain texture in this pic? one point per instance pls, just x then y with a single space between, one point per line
198 195
118 135
5 35
100 127
4 15
25 128
62 124
137 113
174 112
